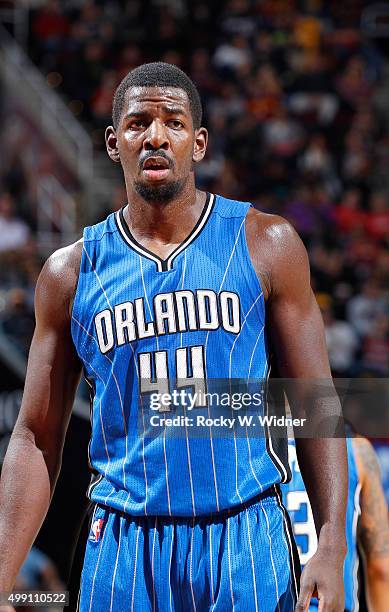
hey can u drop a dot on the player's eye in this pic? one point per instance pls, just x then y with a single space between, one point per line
176 124
137 124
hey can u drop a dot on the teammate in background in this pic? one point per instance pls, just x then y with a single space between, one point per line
175 284
373 526
367 525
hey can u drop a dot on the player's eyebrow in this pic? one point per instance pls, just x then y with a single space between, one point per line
135 115
173 110
169 110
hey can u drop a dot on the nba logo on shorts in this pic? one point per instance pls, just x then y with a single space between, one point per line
96 529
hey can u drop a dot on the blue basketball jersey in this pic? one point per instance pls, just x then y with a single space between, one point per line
144 327
300 512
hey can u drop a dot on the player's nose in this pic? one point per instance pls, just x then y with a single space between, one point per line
156 136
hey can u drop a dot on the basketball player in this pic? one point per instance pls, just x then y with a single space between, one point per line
170 291
367 525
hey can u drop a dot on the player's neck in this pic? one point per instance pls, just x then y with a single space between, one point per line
167 222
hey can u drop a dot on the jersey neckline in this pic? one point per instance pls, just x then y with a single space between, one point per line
164 265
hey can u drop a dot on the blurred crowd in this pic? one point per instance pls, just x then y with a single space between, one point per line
295 99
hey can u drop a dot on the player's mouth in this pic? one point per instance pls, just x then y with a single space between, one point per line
156 168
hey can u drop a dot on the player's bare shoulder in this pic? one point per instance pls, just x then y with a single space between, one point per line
57 283
275 247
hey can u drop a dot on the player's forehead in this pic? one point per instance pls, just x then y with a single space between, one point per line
140 99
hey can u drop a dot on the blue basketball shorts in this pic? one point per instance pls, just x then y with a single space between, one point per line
242 560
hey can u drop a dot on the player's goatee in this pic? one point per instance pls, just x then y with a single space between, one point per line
162 193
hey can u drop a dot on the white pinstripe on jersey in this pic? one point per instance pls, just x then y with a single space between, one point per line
252 561
147 298
357 512
152 560
182 286
190 469
229 563
135 568
211 564
251 462
121 520
236 468
98 278
262 506
253 351
191 566
112 373
186 428
170 570
237 336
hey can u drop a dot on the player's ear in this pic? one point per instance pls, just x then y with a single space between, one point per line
200 144
111 142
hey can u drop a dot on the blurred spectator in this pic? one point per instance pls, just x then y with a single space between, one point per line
327 268
354 84
14 232
377 222
17 320
232 56
316 159
101 101
365 308
317 165
50 26
310 210
361 252
342 341
356 160
381 269
265 93
349 215
283 135
375 355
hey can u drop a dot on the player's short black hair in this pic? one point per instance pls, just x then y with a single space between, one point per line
157 74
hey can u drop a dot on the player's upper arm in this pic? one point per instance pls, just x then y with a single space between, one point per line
373 528
294 320
53 369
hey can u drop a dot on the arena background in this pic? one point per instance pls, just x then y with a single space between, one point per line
296 99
